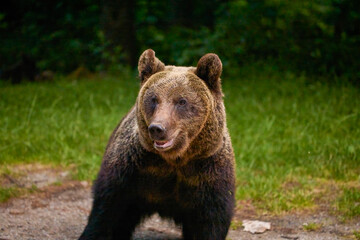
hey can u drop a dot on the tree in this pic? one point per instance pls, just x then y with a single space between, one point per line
118 21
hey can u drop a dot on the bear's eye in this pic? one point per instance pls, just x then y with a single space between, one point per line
151 103
154 101
182 102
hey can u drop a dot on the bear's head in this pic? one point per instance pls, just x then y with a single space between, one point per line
180 111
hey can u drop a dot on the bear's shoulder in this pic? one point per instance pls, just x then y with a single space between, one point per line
124 141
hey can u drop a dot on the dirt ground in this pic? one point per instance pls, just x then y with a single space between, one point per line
60 212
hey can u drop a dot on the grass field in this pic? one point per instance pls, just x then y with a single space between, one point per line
296 141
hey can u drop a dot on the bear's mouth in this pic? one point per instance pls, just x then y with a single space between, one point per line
163 145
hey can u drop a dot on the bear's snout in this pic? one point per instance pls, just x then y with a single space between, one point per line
157 132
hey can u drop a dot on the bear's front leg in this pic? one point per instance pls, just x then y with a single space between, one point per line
115 212
111 220
208 225
210 216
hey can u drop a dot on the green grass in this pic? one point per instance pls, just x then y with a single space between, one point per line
357 235
63 123
290 134
287 129
348 203
235 225
312 227
8 192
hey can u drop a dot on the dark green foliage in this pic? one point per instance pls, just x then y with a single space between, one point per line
312 36
60 35
315 36
318 37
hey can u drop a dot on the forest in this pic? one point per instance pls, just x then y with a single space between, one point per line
315 37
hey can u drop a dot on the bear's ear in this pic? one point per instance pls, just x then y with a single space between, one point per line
149 65
209 69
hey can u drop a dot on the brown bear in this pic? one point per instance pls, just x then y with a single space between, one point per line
171 155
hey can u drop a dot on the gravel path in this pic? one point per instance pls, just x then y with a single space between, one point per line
60 212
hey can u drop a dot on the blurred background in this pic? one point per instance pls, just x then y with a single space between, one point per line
291 74
319 37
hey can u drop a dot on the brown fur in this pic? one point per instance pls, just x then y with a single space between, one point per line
148 65
209 69
193 180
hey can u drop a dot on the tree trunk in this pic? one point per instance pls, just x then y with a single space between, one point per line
119 28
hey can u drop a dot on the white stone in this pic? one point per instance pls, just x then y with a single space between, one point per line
256 226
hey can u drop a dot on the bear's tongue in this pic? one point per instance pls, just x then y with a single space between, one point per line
163 144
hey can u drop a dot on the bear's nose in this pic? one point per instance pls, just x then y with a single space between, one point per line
157 132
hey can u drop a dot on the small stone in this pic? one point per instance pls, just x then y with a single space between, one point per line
16 211
84 183
256 226
290 237
38 204
64 174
